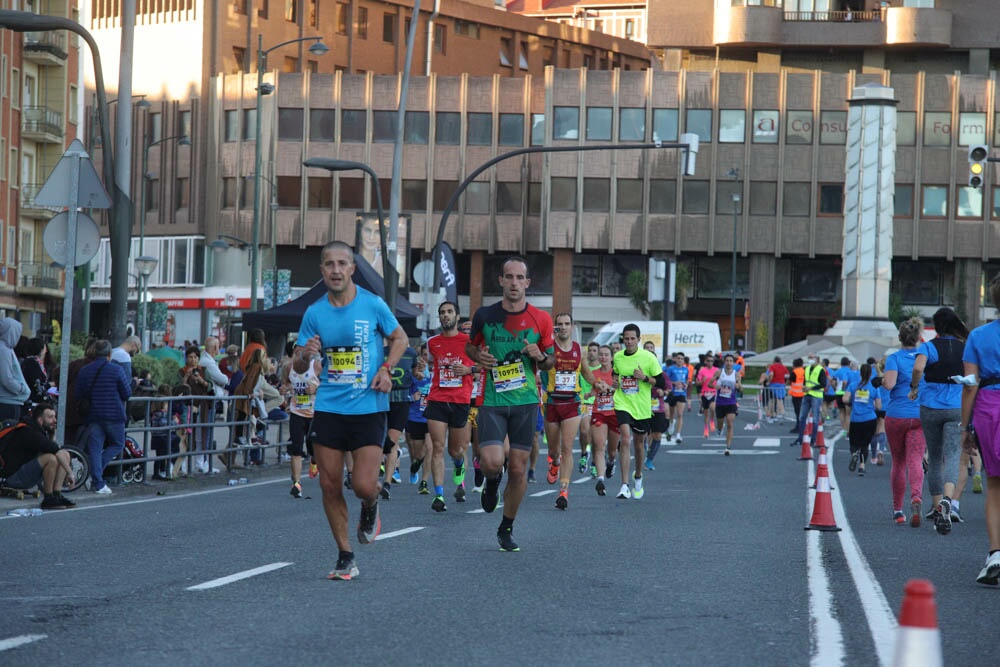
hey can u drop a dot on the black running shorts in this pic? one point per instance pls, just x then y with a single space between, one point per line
626 419
516 422
348 432
455 415
398 414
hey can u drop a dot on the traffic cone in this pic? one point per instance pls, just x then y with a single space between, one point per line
918 640
822 517
820 440
822 462
806 453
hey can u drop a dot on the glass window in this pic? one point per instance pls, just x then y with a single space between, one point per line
290 124
632 125
563 194
322 123
629 199
383 127
537 129
228 192
699 121
511 129
414 195
477 197
917 282
765 127
586 275
597 194
566 124
289 191
934 201
246 193
231 122
906 128
996 130
763 198
184 124
937 128
732 126
831 198
714 278
249 125
614 272
599 124
443 191
664 124
321 192
796 199
480 130
724 191
695 196
362 23
800 128
833 127
996 203
352 192
152 192
353 126
182 193
662 195
902 201
971 128
155 122
508 197
388 27
180 261
970 202
447 128
816 280
416 127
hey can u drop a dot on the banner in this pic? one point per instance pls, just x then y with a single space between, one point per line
448 273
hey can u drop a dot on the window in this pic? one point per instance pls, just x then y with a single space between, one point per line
548 54
290 10
240 7
352 192
615 270
290 64
586 275
765 127
440 31
15 87
971 128
816 280
3 163
566 124
629 199
695 196
664 124
831 198
508 197
312 11
833 127
71 111
262 8
970 202
629 28
443 191
917 282
763 198
699 121
249 124
506 52
229 192
937 128
996 199
14 168
800 128
467 29
322 124
522 60
563 193
934 203
180 262
152 194
321 192
796 200
447 128
231 125
732 126
414 195
599 124
416 127
246 193
477 198
902 201
632 125
182 193
362 23
480 129
906 128
383 127
289 191
662 196
537 129
597 194
343 17
184 124
511 129
290 124
724 204
353 126
155 127
389 28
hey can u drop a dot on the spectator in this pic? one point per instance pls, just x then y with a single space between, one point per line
250 391
122 355
108 388
33 369
258 341
31 458
231 363
217 388
14 391
163 440
74 420
183 415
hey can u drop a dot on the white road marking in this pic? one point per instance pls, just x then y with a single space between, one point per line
582 480
718 452
179 496
482 511
239 576
14 642
544 493
828 645
767 442
397 533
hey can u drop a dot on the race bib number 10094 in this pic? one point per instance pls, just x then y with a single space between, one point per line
344 366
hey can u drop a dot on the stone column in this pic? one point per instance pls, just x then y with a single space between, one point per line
562 280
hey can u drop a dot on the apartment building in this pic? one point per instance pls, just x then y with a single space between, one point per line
621 18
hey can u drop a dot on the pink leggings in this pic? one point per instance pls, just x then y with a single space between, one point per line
906 444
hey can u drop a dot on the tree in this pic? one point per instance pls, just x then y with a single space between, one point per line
638 289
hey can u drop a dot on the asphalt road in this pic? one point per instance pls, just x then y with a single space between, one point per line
712 566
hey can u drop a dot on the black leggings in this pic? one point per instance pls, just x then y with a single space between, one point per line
860 434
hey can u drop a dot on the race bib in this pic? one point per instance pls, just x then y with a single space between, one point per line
477 385
509 377
678 387
565 382
629 385
447 377
725 391
861 396
604 403
302 400
344 366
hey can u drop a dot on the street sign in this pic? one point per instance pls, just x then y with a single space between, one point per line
88 238
56 190
423 274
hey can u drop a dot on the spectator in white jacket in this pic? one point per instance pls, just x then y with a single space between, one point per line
206 409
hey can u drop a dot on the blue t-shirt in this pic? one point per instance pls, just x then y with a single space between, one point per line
900 405
418 392
352 352
938 395
863 397
678 377
845 377
886 399
983 349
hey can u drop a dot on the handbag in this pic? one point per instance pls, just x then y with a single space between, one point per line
83 402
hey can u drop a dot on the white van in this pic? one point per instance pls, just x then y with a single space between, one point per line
689 337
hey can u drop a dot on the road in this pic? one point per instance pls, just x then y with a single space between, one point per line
712 566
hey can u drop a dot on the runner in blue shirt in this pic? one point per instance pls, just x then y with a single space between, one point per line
864 401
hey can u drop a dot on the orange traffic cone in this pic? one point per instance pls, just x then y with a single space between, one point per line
918 640
820 440
822 516
806 453
821 461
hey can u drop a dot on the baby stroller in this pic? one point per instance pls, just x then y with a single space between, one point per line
131 473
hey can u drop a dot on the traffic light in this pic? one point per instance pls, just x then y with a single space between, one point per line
978 155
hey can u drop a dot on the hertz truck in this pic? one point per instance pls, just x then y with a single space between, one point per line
689 337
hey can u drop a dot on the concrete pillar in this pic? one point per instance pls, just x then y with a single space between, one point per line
476 260
562 281
762 269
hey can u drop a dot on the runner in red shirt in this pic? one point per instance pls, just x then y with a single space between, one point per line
603 422
777 375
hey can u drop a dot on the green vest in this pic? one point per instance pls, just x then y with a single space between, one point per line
812 381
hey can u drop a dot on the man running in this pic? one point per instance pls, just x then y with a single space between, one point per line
677 379
586 406
562 404
345 329
509 337
636 372
447 410
399 412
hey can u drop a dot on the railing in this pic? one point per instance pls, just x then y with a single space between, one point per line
40 274
53 42
836 17
28 193
42 119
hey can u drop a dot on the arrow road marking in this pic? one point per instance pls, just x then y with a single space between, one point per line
246 574
14 642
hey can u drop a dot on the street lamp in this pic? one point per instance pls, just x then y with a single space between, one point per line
318 48
145 265
183 140
389 277
272 209
220 244
735 174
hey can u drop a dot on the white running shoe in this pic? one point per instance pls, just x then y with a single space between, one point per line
638 492
678 439
990 574
625 493
104 490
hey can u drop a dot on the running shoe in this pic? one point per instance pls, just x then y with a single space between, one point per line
505 541
915 514
942 523
638 491
313 470
491 494
853 465
649 465
861 471
977 483
458 476
478 478
438 504
422 489
706 431
593 472
531 476
609 469
898 517
880 459
600 487
677 439
296 491
396 479
460 493
955 516
990 574
345 570
562 500
583 464
384 491
728 451
553 474
369 524
933 513
624 493
347 481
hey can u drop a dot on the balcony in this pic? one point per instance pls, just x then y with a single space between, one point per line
42 124
747 25
917 26
45 48
31 209
39 279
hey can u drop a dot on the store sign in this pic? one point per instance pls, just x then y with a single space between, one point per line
181 304
227 302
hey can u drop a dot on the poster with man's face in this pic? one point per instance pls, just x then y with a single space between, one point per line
368 244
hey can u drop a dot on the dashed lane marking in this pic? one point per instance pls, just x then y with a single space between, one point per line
239 576
14 642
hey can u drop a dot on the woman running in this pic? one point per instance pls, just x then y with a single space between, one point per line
727 383
864 402
706 386
603 423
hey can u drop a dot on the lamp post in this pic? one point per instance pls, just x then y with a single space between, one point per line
272 209
145 265
318 48
389 278
735 174
183 140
